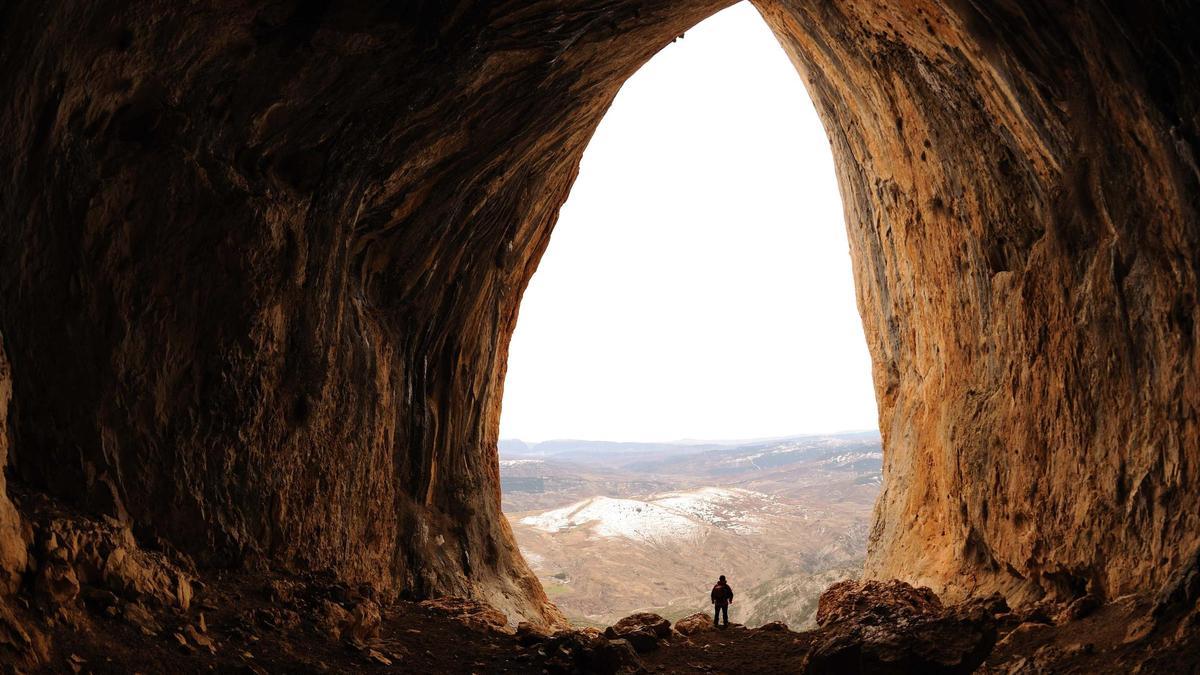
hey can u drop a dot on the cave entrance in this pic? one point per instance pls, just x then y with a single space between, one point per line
733 317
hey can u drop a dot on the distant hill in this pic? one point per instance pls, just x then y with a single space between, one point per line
611 528
626 453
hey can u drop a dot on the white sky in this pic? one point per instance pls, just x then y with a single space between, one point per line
698 282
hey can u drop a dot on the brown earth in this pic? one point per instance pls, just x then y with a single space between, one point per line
260 262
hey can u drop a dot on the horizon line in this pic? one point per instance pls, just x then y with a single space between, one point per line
696 441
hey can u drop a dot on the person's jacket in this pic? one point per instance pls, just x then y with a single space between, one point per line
722 594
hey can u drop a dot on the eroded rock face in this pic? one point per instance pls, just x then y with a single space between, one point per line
13 555
1020 185
259 264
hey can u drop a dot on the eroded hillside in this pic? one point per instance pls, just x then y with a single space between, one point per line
612 529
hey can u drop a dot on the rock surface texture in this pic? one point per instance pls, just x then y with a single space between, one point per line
13 555
873 627
260 262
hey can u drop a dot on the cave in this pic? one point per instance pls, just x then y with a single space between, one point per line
260 262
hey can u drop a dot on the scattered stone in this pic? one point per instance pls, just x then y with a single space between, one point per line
1080 648
378 657
82 551
364 621
200 639
56 580
279 591
333 619
1037 612
476 615
98 598
139 616
277 618
21 644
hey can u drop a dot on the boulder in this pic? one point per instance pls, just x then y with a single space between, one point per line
588 651
694 623
874 602
657 625
891 627
73 551
643 639
365 620
642 630
333 619
57 582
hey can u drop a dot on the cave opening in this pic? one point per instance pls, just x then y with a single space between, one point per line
733 321
260 264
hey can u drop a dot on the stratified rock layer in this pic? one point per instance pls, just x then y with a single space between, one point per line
259 264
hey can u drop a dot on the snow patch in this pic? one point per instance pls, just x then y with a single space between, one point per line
609 517
662 517
723 507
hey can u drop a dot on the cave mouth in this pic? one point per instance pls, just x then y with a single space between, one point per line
260 267
732 320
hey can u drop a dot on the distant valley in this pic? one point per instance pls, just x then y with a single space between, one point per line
613 528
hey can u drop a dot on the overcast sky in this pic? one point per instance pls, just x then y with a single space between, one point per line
698 282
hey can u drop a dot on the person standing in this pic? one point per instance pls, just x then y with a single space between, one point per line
722 597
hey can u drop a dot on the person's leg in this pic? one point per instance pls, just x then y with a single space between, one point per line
725 614
716 615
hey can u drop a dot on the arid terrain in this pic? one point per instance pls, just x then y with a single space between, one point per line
614 528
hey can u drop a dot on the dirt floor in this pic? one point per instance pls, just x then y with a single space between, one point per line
732 650
272 624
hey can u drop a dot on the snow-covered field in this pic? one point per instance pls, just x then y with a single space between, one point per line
520 462
673 515
608 517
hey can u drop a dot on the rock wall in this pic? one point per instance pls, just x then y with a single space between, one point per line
13 553
1021 193
260 261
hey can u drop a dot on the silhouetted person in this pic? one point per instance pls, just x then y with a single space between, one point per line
722 596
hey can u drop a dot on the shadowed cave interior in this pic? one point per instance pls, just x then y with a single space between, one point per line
260 262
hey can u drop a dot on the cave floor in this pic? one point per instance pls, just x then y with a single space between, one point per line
119 613
270 623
